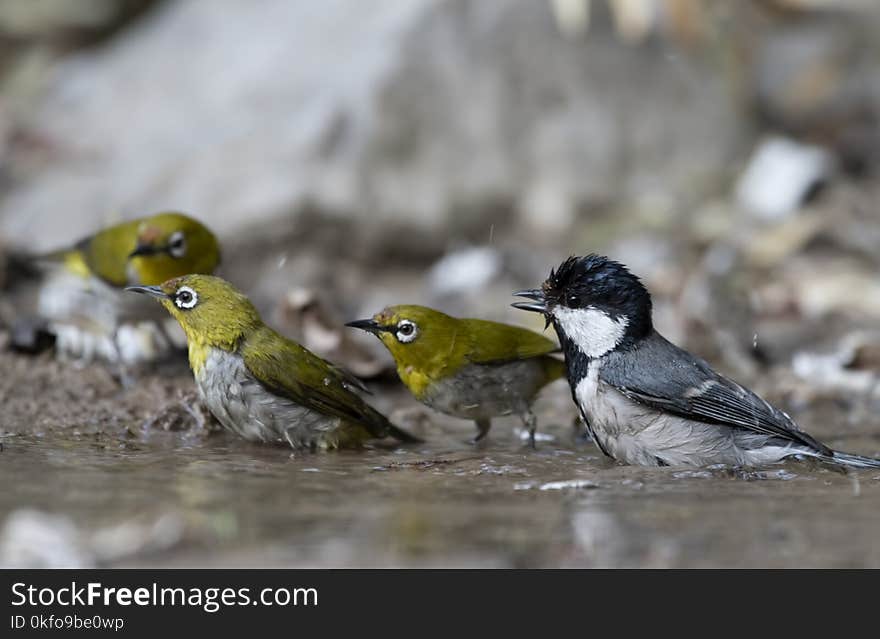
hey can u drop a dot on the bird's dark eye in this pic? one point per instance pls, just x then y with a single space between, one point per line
185 298
177 244
407 331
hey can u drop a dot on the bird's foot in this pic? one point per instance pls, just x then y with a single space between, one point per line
483 426
531 424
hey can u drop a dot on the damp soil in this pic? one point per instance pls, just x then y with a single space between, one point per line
99 475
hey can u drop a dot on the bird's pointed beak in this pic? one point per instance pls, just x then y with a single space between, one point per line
539 305
155 291
145 249
369 325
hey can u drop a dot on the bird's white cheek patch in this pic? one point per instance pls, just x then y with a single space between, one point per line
593 331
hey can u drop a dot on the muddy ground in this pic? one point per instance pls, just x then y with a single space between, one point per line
97 475
430 157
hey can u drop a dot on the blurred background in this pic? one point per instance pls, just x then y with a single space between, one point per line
355 154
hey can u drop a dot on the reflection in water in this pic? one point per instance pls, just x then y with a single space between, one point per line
171 498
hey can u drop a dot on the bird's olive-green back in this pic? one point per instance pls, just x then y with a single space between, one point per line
444 344
221 317
107 252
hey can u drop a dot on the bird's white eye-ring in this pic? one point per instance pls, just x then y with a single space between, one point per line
185 297
407 331
177 244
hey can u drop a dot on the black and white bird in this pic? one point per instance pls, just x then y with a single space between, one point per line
645 400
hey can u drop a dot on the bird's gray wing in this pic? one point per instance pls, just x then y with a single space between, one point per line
662 375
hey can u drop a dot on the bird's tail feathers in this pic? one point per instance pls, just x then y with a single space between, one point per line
850 461
53 256
380 426
402 435
72 259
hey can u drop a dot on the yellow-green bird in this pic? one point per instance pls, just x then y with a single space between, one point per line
259 384
83 299
468 368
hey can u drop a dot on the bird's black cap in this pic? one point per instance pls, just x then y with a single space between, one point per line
594 281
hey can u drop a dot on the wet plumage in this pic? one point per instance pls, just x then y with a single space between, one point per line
647 401
259 384
83 298
468 368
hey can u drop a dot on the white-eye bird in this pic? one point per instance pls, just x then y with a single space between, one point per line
82 297
468 368
259 384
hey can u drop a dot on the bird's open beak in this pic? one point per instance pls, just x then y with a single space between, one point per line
146 249
538 306
367 325
155 291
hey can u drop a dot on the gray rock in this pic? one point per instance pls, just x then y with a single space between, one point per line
816 79
780 175
36 539
244 112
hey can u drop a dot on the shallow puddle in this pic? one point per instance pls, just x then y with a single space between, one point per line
154 498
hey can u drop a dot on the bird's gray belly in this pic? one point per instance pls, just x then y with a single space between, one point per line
242 405
93 320
635 433
481 391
